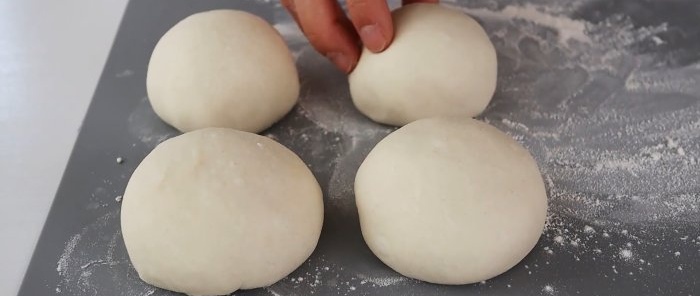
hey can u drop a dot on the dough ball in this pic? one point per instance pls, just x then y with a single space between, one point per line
216 210
450 201
440 63
222 68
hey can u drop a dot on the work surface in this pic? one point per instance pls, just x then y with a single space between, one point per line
51 56
603 93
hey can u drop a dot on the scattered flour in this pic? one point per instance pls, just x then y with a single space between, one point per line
626 254
125 73
548 289
559 239
568 29
386 281
617 138
65 256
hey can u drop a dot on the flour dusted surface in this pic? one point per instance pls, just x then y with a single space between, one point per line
606 101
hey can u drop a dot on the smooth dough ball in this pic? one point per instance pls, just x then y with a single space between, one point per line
441 62
216 210
450 201
222 68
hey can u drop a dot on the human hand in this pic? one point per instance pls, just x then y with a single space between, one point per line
332 34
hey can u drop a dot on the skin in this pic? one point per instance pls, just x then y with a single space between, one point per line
339 37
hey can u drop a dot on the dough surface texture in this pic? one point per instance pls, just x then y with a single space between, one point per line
222 68
216 210
450 201
441 62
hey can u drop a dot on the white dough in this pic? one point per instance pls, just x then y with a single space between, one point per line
450 201
217 210
222 68
441 62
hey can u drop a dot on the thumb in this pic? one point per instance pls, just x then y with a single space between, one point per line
372 20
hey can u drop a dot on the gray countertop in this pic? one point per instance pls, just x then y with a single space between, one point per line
603 93
52 53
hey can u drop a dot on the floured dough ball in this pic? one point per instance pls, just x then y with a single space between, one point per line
217 210
450 201
441 62
222 68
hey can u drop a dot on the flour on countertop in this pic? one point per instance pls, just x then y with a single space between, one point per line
568 29
606 124
611 117
548 289
125 73
84 258
67 251
386 281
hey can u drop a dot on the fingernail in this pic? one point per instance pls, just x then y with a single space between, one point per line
341 61
372 38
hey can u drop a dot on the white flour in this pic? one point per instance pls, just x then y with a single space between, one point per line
615 131
95 251
386 281
615 135
567 29
67 251
603 114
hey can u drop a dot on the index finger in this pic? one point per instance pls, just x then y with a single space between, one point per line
329 31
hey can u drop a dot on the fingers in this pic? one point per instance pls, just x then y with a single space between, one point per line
333 35
372 20
289 5
327 29
407 2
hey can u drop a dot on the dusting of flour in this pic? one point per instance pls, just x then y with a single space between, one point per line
607 106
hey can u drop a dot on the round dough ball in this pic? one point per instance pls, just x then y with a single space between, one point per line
216 210
450 201
441 62
222 68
